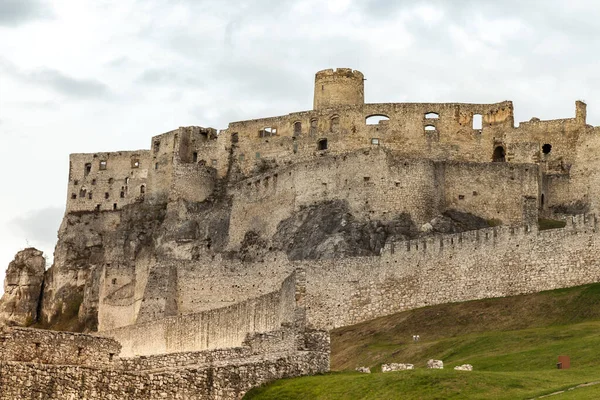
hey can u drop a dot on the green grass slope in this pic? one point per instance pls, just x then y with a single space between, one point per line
513 344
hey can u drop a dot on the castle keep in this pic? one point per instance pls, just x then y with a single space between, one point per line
228 253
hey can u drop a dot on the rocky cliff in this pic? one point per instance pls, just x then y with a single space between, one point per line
23 288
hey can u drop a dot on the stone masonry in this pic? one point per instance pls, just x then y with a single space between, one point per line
222 257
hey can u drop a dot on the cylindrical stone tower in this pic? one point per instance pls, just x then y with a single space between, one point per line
339 87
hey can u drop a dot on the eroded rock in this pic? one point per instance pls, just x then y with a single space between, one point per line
364 370
396 367
464 367
435 364
22 288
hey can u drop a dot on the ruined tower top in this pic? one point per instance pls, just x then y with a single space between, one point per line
342 86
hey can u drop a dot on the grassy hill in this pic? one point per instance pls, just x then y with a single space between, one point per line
513 344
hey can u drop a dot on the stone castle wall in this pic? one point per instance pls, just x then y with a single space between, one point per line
217 328
107 181
62 365
378 185
52 347
494 262
227 380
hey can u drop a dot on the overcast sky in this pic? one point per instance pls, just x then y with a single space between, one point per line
97 75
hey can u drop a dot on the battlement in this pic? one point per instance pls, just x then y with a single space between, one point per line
433 245
339 72
342 86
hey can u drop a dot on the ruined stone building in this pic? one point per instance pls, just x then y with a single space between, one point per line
227 255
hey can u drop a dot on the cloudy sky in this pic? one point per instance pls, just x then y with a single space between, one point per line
106 75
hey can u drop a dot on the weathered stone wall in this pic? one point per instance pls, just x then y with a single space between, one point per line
450 135
380 185
214 283
52 347
220 381
341 86
493 191
493 262
106 181
222 327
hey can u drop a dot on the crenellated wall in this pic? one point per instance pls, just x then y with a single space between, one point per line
494 262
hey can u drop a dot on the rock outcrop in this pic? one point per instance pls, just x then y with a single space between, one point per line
464 367
22 288
435 364
396 367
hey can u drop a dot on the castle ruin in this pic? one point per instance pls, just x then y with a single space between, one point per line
231 253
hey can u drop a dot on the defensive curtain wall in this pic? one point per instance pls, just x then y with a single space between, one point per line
493 262
271 343
216 328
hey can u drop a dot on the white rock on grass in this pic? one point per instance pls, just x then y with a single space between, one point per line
396 367
364 370
464 367
435 364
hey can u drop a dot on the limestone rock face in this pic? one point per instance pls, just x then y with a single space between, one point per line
464 367
363 370
396 367
435 364
22 288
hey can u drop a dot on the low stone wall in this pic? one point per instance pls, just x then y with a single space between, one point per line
225 380
51 347
277 342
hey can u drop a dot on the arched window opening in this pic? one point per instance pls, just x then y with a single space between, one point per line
322 144
235 137
547 148
334 123
429 128
142 189
82 192
87 168
542 200
314 126
376 119
432 115
297 128
499 154
477 121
